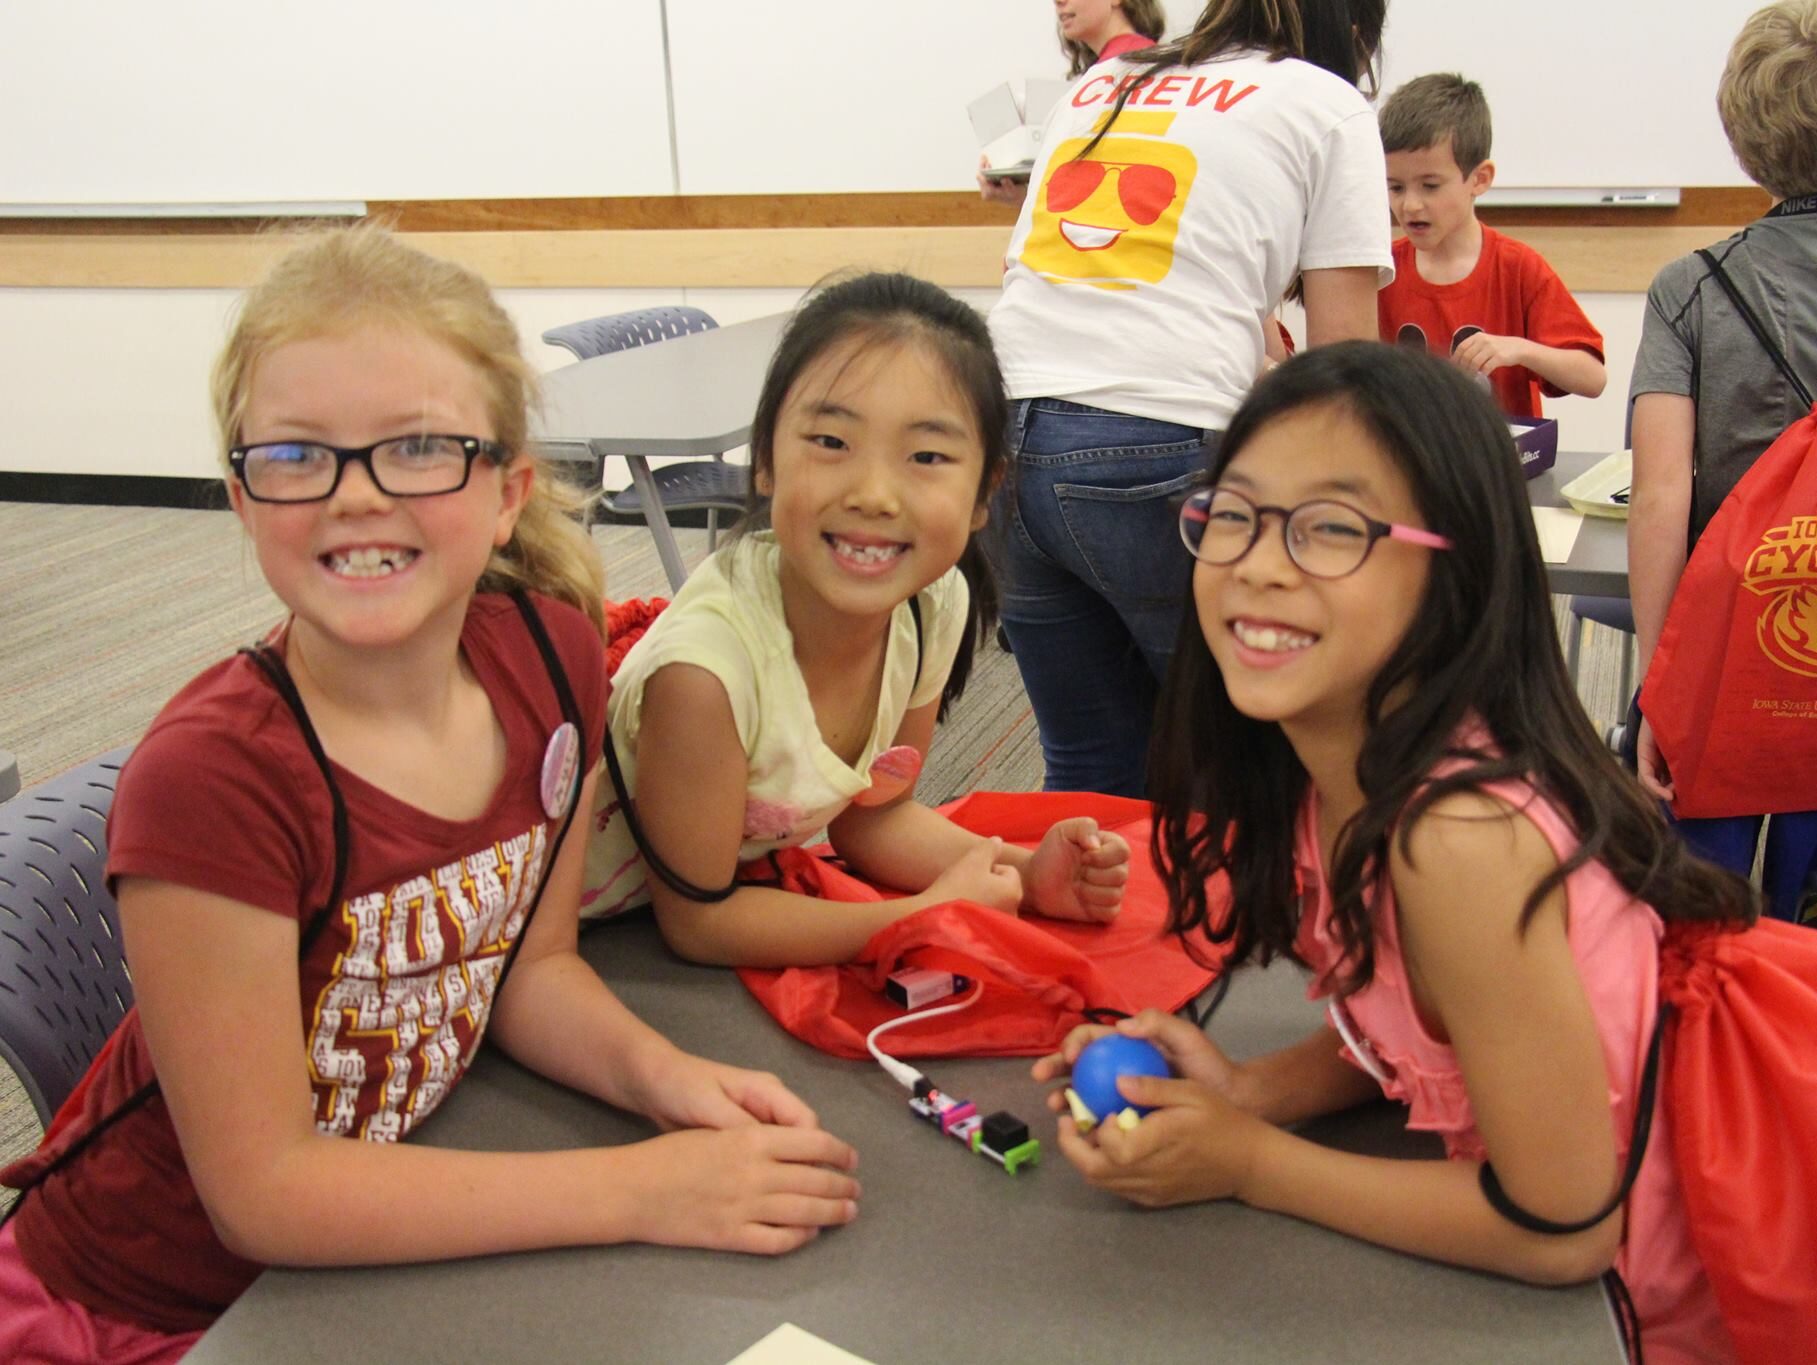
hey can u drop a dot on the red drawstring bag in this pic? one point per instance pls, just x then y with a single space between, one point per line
1731 693
626 624
1732 690
1740 1055
1041 977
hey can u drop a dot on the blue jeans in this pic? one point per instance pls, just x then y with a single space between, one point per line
1096 581
1788 865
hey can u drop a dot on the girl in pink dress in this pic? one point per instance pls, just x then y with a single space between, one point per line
1369 732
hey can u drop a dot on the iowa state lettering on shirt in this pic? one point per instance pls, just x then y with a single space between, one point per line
1177 90
408 996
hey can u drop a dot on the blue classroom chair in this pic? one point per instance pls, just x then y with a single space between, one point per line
63 979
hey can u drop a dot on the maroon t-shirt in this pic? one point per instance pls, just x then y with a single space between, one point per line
222 795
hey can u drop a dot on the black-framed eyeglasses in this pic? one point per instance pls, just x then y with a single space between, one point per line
419 466
1325 538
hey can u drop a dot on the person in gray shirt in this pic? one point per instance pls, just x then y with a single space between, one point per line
1707 399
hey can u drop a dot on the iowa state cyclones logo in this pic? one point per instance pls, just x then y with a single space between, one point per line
1783 569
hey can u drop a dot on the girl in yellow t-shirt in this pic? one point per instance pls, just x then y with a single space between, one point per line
795 681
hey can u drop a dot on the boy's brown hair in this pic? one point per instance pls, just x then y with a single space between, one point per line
1428 109
1768 98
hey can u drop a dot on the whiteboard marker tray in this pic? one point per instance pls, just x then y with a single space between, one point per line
1595 491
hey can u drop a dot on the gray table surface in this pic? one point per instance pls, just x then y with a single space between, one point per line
1598 565
691 395
949 1257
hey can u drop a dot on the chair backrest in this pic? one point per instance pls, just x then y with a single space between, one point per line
622 331
63 979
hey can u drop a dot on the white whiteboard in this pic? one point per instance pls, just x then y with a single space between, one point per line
1584 92
175 101
196 101
843 94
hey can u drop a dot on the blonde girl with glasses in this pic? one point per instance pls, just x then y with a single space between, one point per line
1369 731
343 859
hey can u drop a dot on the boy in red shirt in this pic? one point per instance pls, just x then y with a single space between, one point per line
1461 289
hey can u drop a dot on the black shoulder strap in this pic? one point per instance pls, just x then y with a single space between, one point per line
680 885
272 665
564 696
915 611
1755 326
1637 1149
564 693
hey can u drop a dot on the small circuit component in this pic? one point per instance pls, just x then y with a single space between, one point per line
1001 1136
920 986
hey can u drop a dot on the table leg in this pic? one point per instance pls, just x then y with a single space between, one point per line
656 517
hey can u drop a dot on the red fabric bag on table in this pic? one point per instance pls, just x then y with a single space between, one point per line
626 623
1731 693
1740 1057
1040 976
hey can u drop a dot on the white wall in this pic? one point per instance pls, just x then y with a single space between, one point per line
120 101
1584 92
249 99
116 381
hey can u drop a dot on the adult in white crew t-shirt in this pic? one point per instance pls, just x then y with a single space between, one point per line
1182 191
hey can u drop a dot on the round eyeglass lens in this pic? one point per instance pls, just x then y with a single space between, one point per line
1217 526
1327 539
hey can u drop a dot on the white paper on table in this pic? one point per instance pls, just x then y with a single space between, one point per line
789 1345
1557 527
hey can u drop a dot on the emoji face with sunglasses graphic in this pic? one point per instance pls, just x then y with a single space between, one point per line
1110 219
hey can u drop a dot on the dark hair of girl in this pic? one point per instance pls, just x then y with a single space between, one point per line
1483 647
1342 36
894 309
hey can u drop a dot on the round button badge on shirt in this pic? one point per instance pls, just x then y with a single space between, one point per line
561 767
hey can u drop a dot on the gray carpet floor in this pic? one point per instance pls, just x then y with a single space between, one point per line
105 612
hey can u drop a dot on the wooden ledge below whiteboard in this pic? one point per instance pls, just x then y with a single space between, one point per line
1590 260
1697 206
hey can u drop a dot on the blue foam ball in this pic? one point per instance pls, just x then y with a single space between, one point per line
1104 1059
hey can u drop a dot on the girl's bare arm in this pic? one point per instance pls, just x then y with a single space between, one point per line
691 784
1340 304
1514 1010
217 990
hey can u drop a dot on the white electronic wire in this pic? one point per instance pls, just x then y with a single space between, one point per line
906 1075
